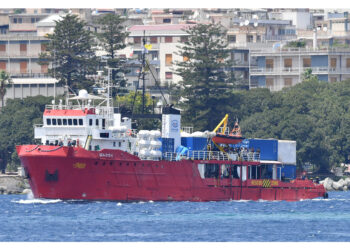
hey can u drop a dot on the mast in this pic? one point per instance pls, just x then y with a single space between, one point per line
144 71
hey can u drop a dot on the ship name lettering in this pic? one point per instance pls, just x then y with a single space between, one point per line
107 155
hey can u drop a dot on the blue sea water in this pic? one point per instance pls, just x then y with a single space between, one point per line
25 219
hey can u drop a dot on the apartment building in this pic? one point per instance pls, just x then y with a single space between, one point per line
165 40
279 68
20 47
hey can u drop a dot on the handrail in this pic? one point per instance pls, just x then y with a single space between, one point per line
213 155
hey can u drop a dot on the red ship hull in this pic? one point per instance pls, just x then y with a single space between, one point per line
75 173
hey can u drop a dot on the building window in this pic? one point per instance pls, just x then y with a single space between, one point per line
137 39
269 82
65 122
3 66
333 63
288 63
258 38
154 39
54 122
183 39
23 67
48 121
75 122
333 79
80 122
306 62
231 38
347 63
166 20
23 48
288 82
44 68
168 39
2 48
249 38
168 75
168 59
43 47
59 122
70 122
32 20
269 63
96 123
90 122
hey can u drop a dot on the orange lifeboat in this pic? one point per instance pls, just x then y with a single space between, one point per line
233 137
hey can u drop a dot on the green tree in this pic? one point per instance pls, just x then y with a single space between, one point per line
308 76
206 82
70 50
16 126
113 38
5 81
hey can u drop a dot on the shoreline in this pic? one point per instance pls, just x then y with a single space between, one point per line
13 184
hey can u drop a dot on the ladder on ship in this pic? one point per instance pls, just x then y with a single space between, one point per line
88 142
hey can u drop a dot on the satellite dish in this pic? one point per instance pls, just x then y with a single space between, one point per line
256 24
318 28
246 22
325 29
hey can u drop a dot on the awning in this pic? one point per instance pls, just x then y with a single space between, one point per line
271 162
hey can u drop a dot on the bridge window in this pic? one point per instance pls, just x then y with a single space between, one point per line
64 122
80 122
70 122
48 121
54 122
59 122
75 122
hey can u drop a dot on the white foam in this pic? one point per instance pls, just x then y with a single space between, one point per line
37 201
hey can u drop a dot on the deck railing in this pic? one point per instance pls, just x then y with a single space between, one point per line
213 155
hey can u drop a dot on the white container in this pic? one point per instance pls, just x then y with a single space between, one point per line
155 144
144 153
155 153
144 143
155 134
287 152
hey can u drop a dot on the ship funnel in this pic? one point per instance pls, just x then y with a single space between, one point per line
171 125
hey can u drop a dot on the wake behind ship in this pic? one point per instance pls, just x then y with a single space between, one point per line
88 152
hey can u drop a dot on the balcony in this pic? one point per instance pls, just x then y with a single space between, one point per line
287 71
19 54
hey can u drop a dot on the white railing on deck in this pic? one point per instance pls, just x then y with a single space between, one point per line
213 155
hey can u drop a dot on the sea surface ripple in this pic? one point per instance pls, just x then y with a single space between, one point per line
25 219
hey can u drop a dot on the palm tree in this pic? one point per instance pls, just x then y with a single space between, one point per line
5 80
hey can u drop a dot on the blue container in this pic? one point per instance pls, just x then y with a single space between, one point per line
268 148
199 143
167 145
194 143
290 171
